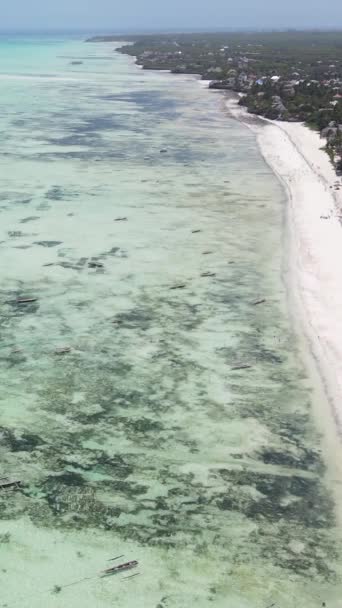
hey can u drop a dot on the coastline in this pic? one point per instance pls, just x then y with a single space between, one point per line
311 269
314 236
312 248
314 218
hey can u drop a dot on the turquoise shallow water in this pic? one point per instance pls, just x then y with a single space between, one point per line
143 440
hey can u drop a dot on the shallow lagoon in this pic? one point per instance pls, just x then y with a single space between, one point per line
143 440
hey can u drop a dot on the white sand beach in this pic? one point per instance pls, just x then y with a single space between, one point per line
314 215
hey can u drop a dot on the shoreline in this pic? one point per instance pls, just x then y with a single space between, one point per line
313 278
295 155
313 237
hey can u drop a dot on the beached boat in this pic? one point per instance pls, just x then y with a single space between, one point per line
120 568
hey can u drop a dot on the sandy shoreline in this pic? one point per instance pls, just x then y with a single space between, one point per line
315 208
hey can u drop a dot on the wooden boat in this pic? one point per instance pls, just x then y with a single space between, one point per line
120 568
62 350
26 300
9 483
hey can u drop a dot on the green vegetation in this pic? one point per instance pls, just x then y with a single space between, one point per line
293 76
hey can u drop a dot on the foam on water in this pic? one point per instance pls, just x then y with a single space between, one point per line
146 224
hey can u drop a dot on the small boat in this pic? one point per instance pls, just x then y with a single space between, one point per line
95 264
120 568
9 483
26 300
62 350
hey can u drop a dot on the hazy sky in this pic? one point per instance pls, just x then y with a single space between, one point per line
153 14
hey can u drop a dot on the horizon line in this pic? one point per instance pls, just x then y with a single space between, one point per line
168 30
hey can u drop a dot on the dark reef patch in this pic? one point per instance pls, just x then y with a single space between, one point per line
297 499
115 252
48 243
151 102
134 318
19 442
15 233
74 265
75 140
13 358
31 218
306 460
56 193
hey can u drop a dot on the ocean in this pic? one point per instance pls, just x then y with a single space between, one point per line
154 401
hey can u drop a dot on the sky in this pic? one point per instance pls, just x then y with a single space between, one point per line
116 15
